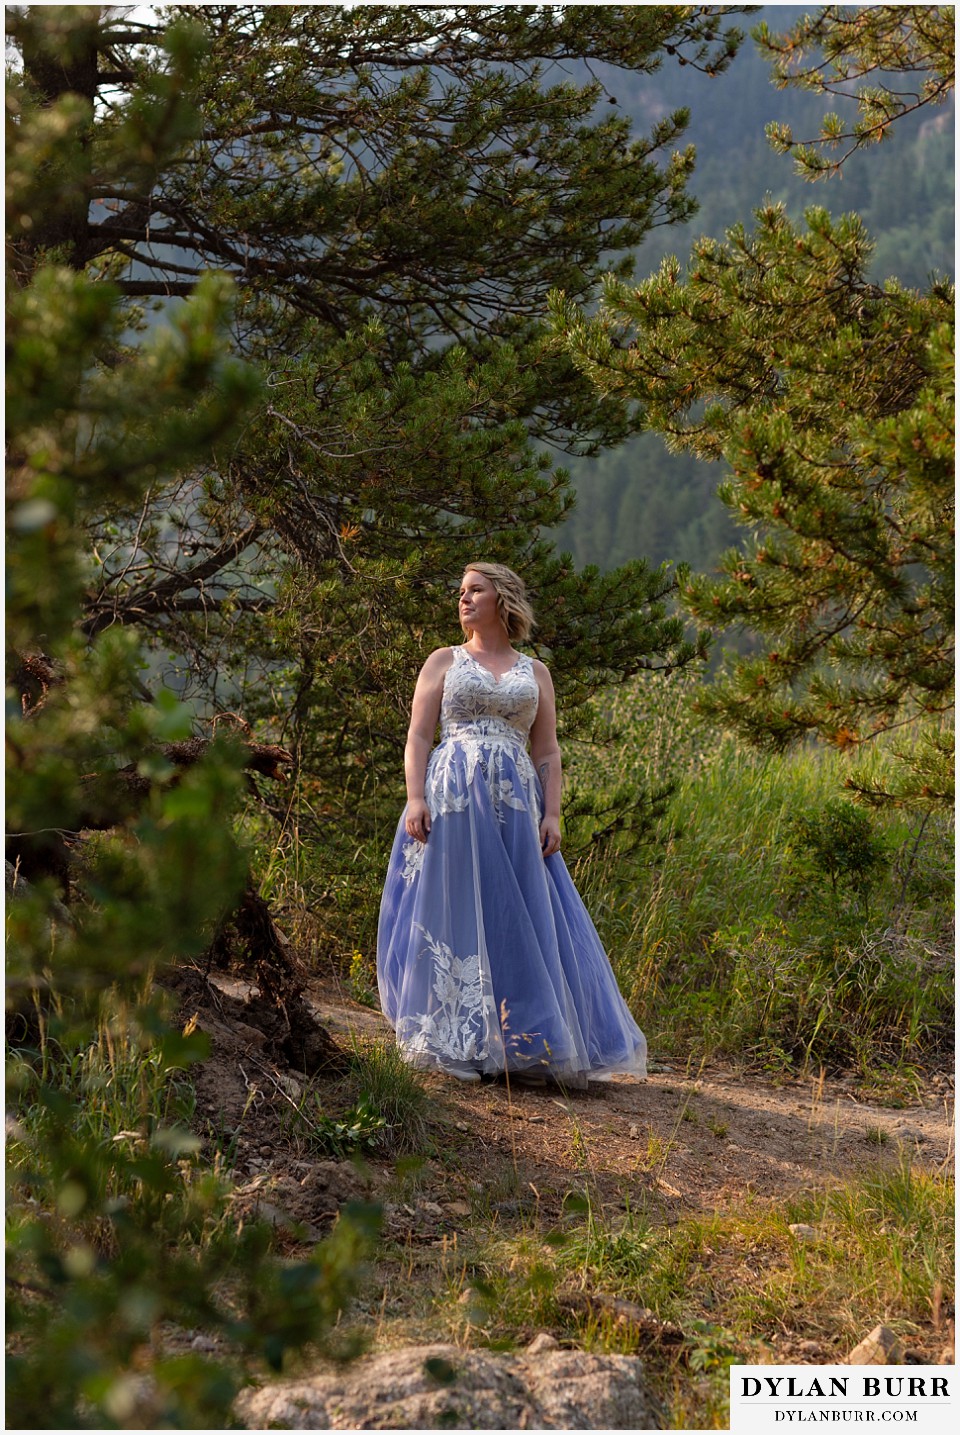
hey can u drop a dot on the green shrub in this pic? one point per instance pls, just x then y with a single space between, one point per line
118 1230
840 842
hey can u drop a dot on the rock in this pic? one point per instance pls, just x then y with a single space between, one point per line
437 1387
285 1221
803 1232
880 1347
456 1208
540 1343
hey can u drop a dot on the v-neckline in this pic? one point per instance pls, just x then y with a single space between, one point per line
489 671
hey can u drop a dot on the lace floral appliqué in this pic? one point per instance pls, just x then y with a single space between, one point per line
413 854
453 1030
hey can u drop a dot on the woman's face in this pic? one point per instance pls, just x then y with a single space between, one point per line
478 602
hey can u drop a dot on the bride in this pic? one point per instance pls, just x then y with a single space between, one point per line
486 957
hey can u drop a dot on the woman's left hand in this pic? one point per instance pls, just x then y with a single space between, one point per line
549 836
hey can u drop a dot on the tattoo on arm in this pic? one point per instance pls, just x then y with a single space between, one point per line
544 773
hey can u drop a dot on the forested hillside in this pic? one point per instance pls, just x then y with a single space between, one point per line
640 499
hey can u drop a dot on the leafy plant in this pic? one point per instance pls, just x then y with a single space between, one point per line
117 1232
394 1090
362 987
360 1129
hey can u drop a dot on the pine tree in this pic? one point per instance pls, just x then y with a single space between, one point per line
831 401
115 1228
393 191
837 46
414 172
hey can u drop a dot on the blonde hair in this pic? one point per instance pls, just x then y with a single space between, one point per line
513 605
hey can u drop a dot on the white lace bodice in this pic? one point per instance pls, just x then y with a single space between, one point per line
484 726
477 704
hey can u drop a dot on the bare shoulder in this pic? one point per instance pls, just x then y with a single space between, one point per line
542 674
437 663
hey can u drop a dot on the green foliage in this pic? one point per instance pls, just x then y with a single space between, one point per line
832 404
730 937
641 498
453 184
369 127
116 1230
389 1110
362 976
897 1222
618 1258
833 48
116 1226
396 1092
359 1130
622 770
841 843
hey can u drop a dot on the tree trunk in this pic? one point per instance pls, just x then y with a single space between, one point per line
56 65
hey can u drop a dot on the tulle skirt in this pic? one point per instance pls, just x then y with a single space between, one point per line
487 959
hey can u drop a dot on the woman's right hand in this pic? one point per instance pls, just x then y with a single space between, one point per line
417 821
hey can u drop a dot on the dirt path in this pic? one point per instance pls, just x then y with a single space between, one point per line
677 1146
698 1141
694 1142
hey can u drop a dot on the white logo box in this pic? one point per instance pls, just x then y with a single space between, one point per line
777 1398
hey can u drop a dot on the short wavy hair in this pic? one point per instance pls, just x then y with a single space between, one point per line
513 605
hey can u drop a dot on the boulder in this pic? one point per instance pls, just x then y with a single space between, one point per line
442 1387
880 1347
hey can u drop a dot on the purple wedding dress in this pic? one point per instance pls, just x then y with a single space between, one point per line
486 957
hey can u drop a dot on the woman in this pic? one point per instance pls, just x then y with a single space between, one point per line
486 957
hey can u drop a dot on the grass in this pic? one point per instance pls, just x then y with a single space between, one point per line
754 927
121 1092
382 1106
734 1285
710 1290
120 1237
396 1092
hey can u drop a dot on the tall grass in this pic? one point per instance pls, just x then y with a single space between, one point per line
730 926
322 868
118 1234
396 1091
726 935
116 1091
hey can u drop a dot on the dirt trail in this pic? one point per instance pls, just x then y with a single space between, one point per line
696 1142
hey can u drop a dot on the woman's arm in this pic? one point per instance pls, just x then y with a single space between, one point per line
424 715
545 755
